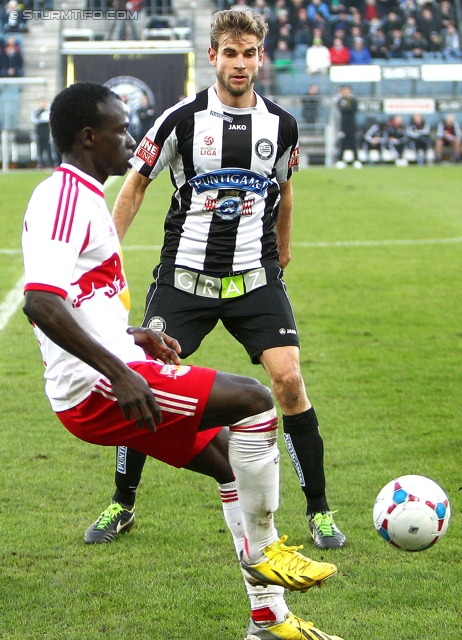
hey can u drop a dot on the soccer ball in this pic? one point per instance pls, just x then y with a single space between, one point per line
412 513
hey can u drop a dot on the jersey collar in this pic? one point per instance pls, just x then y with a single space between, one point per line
90 182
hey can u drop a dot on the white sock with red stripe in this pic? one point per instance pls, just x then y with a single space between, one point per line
254 458
267 603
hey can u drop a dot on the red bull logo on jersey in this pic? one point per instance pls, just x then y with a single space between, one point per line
108 277
175 370
147 151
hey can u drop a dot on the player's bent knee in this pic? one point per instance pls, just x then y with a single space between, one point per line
234 398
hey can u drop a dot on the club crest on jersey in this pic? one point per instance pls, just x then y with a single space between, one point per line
240 179
229 207
264 149
174 370
147 151
157 323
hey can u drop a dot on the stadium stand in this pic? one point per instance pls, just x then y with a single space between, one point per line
293 24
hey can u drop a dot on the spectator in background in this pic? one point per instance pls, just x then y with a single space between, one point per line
408 8
11 60
420 141
429 25
377 45
41 120
359 53
391 22
395 44
341 21
448 13
451 43
13 20
385 6
347 106
282 58
318 6
416 46
354 33
339 54
310 104
374 140
370 11
448 136
396 139
409 30
146 115
302 34
321 24
317 57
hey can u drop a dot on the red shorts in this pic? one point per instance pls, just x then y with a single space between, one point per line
181 392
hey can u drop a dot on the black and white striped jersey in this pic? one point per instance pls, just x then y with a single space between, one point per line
226 165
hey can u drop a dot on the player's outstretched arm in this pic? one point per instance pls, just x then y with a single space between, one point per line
156 344
129 201
48 312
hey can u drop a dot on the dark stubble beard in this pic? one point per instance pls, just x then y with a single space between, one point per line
237 91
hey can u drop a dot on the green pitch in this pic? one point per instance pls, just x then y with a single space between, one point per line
375 283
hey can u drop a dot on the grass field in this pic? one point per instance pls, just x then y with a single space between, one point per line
375 283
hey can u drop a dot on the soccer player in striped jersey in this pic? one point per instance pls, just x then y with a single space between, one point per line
231 154
111 384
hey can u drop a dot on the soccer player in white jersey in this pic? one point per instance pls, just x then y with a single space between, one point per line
112 385
231 154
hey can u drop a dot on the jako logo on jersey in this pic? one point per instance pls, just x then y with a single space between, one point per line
107 276
231 179
147 151
237 127
208 140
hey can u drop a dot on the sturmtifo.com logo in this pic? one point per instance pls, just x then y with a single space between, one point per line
76 14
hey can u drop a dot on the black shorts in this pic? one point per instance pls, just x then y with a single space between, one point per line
261 319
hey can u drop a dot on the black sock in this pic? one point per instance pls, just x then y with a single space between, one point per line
129 467
306 449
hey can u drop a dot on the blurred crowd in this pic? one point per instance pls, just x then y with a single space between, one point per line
329 32
12 27
395 139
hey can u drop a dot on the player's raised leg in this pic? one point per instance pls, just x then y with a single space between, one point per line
247 406
270 616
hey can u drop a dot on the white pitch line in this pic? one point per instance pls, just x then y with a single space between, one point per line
13 299
377 243
340 243
10 304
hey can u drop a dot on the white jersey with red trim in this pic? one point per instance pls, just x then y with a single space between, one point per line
71 249
226 166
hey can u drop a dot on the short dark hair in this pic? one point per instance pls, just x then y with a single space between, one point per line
75 108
